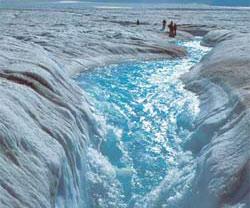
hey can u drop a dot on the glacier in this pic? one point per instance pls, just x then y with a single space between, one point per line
50 134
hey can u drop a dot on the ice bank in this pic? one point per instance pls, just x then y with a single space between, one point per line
46 125
221 140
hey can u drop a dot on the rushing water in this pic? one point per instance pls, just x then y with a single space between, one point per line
148 116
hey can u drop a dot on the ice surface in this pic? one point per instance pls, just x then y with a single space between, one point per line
48 127
222 80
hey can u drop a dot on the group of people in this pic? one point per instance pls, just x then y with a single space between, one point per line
172 28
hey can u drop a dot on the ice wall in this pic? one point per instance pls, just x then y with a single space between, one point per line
46 125
221 140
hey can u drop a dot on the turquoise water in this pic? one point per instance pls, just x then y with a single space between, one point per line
148 115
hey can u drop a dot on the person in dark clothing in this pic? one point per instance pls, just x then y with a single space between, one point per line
174 29
137 22
171 29
164 22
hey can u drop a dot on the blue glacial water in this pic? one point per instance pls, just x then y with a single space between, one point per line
148 115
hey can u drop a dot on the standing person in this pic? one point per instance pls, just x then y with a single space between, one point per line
171 29
174 29
137 22
164 22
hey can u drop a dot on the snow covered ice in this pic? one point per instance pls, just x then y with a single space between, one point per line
52 131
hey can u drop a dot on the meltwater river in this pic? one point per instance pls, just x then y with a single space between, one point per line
148 115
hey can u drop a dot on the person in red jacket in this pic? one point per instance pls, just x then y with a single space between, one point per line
171 29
